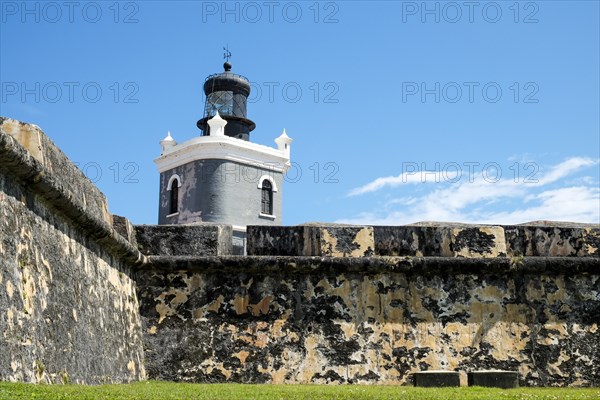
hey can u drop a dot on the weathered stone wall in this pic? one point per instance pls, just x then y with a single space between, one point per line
68 304
462 304
311 304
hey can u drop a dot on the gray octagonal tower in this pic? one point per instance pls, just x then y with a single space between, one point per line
220 176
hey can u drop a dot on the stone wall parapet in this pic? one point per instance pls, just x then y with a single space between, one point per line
548 239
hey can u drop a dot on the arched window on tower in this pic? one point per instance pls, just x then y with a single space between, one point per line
173 189
267 198
174 199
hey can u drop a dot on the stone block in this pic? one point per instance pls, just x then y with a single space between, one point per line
185 240
443 240
311 240
553 240
125 228
262 240
437 379
494 378
342 241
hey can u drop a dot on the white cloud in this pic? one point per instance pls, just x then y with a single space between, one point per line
403 178
554 195
565 168
577 203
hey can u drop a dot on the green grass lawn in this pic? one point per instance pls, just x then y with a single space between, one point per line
166 390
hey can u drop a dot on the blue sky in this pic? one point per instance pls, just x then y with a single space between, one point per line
400 111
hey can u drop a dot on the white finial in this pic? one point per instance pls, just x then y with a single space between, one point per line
283 143
167 143
216 125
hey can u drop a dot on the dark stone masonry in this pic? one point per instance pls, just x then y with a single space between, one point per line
88 297
500 379
184 240
437 379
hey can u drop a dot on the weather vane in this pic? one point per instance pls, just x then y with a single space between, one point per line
227 54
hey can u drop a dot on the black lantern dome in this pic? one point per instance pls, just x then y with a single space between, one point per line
228 94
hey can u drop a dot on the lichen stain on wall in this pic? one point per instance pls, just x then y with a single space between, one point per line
490 242
347 242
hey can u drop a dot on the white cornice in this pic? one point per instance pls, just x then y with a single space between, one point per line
223 148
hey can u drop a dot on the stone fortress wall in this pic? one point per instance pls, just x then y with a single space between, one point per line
68 303
87 296
322 304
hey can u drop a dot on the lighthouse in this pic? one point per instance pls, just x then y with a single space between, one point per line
220 176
